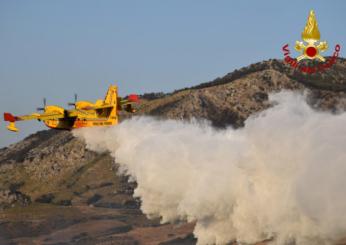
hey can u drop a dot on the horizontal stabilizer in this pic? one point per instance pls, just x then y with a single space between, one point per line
133 98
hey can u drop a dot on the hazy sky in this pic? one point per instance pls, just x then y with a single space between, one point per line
55 48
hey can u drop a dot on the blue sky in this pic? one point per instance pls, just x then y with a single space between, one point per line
53 49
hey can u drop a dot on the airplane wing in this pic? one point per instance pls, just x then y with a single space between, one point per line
97 107
131 99
44 116
50 116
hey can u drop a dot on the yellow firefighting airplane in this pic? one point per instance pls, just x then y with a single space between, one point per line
85 114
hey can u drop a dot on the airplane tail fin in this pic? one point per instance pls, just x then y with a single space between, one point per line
112 95
119 103
8 117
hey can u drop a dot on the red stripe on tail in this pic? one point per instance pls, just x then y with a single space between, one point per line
133 98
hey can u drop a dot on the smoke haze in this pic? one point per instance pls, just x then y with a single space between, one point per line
282 175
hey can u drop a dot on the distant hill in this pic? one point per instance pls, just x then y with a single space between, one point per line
232 98
55 191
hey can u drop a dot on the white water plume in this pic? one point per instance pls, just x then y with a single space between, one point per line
281 176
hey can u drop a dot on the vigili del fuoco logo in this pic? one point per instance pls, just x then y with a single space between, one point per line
311 48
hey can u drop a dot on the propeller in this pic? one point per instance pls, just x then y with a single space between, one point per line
75 100
44 105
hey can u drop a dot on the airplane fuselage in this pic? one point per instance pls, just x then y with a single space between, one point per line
80 117
70 123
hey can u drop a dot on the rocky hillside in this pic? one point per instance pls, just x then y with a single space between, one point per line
54 191
232 98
